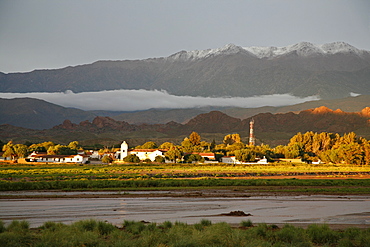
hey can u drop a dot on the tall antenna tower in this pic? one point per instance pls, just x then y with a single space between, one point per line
252 140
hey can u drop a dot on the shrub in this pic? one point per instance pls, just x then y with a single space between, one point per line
167 224
105 228
18 226
86 225
15 239
52 226
292 235
2 226
322 234
205 222
247 223
133 227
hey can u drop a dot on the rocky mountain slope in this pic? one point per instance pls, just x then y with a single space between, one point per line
331 71
213 125
38 114
160 116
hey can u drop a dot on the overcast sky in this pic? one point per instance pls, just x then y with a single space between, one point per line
40 34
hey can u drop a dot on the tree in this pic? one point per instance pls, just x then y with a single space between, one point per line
231 139
174 154
166 145
194 138
159 159
61 150
8 150
107 159
148 145
73 145
189 158
187 146
245 155
20 150
132 158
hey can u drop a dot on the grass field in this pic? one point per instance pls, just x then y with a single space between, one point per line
98 233
286 177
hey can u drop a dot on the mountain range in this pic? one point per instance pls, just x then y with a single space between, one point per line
270 128
333 70
39 114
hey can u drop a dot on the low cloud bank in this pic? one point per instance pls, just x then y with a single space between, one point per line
132 100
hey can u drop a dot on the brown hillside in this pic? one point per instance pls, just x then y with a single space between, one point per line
213 122
269 127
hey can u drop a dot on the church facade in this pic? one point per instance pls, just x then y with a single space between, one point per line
143 154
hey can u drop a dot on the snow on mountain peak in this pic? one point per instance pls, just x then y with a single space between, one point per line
196 54
304 49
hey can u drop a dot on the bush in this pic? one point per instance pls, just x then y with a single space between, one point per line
205 222
52 226
86 225
292 235
166 225
133 227
2 226
322 234
18 226
15 239
105 228
247 223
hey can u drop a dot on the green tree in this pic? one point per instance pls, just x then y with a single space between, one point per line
174 154
189 158
187 146
159 159
132 158
231 139
245 155
61 150
166 145
73 145
41 147
148 145
8 150
21 150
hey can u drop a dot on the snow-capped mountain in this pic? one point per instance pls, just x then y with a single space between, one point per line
302 49
331 70
226 50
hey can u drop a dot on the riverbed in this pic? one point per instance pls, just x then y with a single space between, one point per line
307 209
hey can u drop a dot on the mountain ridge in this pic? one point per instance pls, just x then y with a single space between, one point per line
272 129
231 71
40 114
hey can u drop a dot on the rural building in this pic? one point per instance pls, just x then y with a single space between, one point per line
74 158
143 154
233 160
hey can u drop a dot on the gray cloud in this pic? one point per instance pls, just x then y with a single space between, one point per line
132 100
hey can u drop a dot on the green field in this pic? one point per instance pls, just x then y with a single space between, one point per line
264 178
205 233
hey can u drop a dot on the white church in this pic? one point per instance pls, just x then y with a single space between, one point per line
141 153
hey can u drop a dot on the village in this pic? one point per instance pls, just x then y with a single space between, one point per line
151 153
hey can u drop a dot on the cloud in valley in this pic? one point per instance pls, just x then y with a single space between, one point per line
133 100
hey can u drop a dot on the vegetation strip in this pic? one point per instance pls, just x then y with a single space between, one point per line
91 232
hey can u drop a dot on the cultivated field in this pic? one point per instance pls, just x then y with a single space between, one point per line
271 178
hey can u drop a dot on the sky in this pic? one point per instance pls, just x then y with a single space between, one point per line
48 34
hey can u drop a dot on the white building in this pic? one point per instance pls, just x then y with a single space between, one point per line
233 160
75 158
143 154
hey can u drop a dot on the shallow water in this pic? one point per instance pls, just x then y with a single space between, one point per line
269 209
